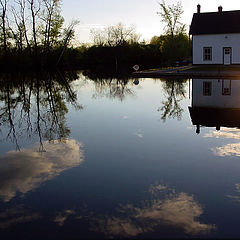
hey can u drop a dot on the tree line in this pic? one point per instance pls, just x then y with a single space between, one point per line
117 48
33 35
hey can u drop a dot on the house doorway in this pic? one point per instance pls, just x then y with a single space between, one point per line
227 55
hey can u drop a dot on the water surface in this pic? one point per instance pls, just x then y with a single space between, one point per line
108 158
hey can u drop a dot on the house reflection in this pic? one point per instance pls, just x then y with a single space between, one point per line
215 103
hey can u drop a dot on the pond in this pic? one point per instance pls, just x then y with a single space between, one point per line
88 157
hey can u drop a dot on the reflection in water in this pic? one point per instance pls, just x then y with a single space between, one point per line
175 92
113 88
166 208
63 216
227 150
25 170
215 103
225 133
232 149
36 104
16 215
236 197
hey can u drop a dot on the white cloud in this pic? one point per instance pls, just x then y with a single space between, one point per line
26 170
227 150
177 210
139 133
225 133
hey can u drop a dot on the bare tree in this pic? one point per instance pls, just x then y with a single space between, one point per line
3 13
116 35
98 37
20 20
119 34
35 7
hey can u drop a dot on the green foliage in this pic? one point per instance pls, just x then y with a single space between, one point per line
170 16
176 48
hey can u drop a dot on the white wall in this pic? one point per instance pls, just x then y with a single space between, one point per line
216 100
217 42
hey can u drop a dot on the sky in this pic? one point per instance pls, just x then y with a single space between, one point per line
98 14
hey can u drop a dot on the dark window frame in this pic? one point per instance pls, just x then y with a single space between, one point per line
207 88
207 53
227 91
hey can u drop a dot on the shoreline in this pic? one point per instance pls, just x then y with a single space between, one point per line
189 72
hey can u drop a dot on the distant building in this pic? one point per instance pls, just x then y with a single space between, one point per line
216 37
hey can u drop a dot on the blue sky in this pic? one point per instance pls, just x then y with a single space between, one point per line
140 13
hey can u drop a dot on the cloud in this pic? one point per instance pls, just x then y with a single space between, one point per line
227 150
235 197
225 133
139 133
232 149
26 170
63 216
16 215
87 27
176 210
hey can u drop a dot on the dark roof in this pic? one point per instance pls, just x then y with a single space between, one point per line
215 23
213 117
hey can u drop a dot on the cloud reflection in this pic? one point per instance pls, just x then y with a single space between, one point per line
63 216
16 215
139 133
177 210
227 150
225 133
232 149
26 170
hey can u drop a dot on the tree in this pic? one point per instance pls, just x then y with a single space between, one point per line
3 14
174 93
20 35
98 37
119 34
175 44
116 35
170 16
53 23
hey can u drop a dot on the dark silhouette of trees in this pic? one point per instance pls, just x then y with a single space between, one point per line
32 33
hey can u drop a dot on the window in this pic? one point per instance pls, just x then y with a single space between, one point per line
207 54
226 87
207 88
227 51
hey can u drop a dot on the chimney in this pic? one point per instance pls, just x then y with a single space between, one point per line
220 9
198 8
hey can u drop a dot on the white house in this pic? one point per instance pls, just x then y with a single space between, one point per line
215 103
216 37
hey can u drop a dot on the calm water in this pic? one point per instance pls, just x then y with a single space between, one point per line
116 159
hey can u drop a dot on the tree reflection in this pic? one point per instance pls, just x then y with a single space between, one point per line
36 104
112 88
175 92
110 84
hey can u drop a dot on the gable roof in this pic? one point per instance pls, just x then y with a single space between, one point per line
215 23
